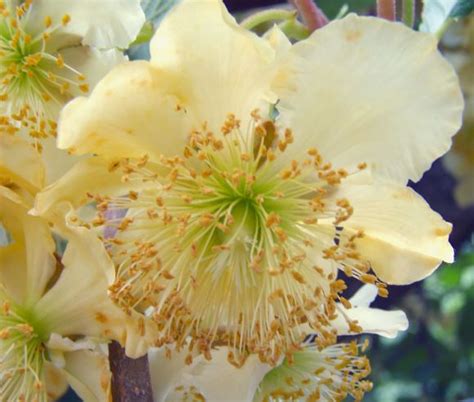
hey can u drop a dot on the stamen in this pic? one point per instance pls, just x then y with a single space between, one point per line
34 83
221 242
330 374
21 356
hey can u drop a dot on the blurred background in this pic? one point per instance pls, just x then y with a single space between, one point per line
434 360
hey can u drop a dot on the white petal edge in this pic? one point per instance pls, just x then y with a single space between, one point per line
100 23
369 90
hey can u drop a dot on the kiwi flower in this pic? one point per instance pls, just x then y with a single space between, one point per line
330 373
54 308
251 173
52 51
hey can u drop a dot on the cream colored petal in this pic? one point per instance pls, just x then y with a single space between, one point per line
372 321
78 303
100 23
20 163
55 380
165 372
277 40
89 175
89 375
13 270
56 161
93 63
28 262
369 90
364 296
404 240
216 66
218 381
128 114
62 344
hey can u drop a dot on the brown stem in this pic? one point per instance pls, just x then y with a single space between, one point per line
387 9
130 377
312 15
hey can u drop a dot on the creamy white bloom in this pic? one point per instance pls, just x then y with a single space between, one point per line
252 172
54 308
52 51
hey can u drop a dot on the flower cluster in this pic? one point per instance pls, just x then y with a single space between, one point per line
223 196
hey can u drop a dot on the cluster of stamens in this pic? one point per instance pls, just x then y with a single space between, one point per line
21 356
222 247
313 375
35 81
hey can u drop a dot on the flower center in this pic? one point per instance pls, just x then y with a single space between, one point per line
233 243
22 354
35 81
330 374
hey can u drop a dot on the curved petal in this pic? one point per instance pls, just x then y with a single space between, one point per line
92 63
217 67
88 374
128 114
364 296
217 380
55 381
20 163
73 187
165 372
369 90
277 40
404 240
56 161
78 304
372 321
28 262
100 23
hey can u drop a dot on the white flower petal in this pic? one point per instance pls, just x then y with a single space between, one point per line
78 303
130 113
88 374
71 189
56 161
218 67
60 343
404 240
20 163
277 39
100 23
369 90
372 321
165 372
93 63
364 296
28 262
218 381
55 381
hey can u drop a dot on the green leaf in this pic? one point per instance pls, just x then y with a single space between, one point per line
437 14
332 7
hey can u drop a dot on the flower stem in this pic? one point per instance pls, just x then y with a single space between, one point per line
261 17
130 377
387 9
294 29
312 15
408 13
